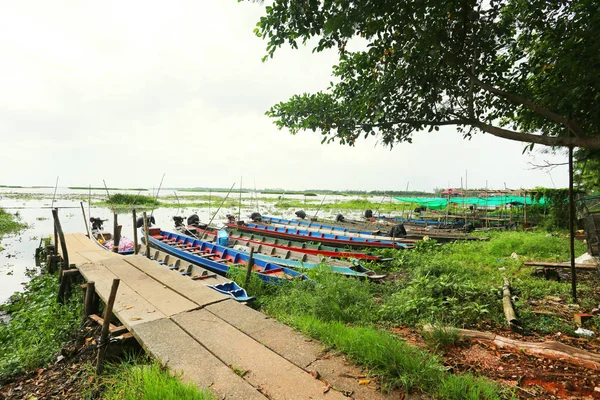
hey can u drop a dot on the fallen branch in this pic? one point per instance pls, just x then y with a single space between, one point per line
548 349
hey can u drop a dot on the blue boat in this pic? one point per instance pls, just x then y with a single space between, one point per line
233 290
217 258
310 236
318 225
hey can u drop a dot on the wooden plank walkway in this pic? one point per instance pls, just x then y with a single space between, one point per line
209 336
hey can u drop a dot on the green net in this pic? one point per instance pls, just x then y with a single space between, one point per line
439 203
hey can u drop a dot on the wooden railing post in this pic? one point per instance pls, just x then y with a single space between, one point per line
105 326
146 235
61 235
135 238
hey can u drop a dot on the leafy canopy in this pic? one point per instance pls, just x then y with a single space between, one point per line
523 70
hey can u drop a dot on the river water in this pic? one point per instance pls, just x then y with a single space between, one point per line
33 207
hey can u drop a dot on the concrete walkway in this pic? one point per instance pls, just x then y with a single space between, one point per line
210 338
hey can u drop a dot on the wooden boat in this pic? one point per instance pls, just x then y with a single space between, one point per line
197 273
231 289
325 238
380 231
216 258
283 244
298 260
324 228
105 239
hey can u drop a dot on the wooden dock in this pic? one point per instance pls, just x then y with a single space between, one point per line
210 338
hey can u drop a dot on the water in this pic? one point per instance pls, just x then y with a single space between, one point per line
33 206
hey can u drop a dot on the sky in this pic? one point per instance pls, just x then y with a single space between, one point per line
126 91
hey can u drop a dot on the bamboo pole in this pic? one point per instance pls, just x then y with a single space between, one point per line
572 227
216 212
85 221
249 265
509 311
135 233
106 326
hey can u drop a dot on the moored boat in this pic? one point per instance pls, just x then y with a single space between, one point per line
325 238
284 244
217 258
105 239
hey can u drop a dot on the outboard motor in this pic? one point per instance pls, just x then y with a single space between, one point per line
340 218
469 227
368 214
97 224
140 221
256 217
300 214
193 220
398 231
231 218
178 221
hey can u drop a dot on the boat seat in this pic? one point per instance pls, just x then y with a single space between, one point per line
272 271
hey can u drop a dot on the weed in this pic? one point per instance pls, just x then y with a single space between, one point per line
137 380
36 310
9 222
130 200
440 336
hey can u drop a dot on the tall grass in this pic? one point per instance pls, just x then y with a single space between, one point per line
132 199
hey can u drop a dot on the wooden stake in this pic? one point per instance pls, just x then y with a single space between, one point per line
117 238
106 325
135 238
90 293
146 235
249 265
85 221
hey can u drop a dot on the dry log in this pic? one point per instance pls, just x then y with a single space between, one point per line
509 312
591 267
549 349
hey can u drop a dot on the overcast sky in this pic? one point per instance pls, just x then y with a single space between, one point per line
128 90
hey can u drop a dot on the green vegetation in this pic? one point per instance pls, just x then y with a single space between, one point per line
456 284
39 326
133 379
454 63
103 188
121 199
9 224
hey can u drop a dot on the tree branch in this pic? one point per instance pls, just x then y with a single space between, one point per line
587 142
572 125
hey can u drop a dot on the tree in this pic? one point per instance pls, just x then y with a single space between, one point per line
524 70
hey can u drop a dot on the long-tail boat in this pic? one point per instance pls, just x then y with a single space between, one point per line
294 259
308 236
283 244
216 258
411 235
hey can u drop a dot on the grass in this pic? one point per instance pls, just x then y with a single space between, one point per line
39 326
133 380
121 199
456 284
